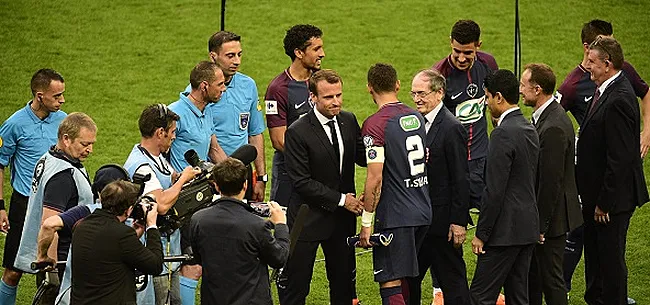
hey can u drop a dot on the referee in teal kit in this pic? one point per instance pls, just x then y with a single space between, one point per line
24 138
238 115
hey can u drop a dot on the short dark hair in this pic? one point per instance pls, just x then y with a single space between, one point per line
382 78
72 124
298 37
219 38
203 71
609 49
436 80
466 31
230 176
543 76
118 196
156 116
42 78
505 82
328 75
594 28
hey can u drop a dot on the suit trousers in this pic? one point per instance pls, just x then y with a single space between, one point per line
605 267
546 273
448 266
502 266
293 285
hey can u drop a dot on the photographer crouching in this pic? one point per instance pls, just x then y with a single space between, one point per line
106 252
234 246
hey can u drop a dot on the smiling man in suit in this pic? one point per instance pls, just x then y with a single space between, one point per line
448 176
508 226
609 173
321 149
557 195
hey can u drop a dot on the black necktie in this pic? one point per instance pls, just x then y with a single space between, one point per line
335 139
595 102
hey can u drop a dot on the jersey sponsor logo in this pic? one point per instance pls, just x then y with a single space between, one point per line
271 107
472 90
38 174
588 98
368 141
244 118
372 154
455 96
470 111
297 106
409 122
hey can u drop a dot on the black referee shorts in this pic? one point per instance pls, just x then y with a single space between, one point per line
17 211
400 258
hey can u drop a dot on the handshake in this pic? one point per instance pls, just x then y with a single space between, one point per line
353 204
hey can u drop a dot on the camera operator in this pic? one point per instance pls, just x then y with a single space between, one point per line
157 126
106 252
234 246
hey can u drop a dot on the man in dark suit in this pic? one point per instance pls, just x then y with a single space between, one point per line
448 175
106 252
321 149
508 226
609 173
557 195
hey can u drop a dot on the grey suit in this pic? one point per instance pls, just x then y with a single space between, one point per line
509 221
557 202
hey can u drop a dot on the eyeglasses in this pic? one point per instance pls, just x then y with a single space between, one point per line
420 94
597 44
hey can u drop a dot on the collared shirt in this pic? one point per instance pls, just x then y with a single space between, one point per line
537 113
193 131
429 117
24 139
237 115
503 115
323 121
606 83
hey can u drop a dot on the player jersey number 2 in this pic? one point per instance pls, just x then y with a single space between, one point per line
415 149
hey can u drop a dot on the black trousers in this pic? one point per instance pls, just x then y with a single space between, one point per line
340 266
447 264
504 266
572 254
605 267
17 211
546 273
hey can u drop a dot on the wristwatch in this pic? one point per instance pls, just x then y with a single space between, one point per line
264 178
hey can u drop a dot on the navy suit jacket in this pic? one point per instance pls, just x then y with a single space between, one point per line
448 173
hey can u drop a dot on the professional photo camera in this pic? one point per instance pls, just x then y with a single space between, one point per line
138 214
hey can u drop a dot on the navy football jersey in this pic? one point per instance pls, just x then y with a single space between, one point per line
465 98
577 91
395 136
286 100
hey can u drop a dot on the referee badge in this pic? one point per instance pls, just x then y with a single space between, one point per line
0 141
244 118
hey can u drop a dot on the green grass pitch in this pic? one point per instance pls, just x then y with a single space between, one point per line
118 56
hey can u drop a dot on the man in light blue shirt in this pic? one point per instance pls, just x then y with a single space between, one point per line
238 116
195 130
24 138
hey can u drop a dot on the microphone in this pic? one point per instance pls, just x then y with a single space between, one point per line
193 159
246 154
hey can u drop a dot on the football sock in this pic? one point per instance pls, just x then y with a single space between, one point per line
391 296
7 294
188 290
405 290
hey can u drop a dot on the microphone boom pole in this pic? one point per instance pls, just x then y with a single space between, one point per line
223 15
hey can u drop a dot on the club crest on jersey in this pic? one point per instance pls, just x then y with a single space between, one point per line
472 90
372 154
368 141
271 107
244 118
409 122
